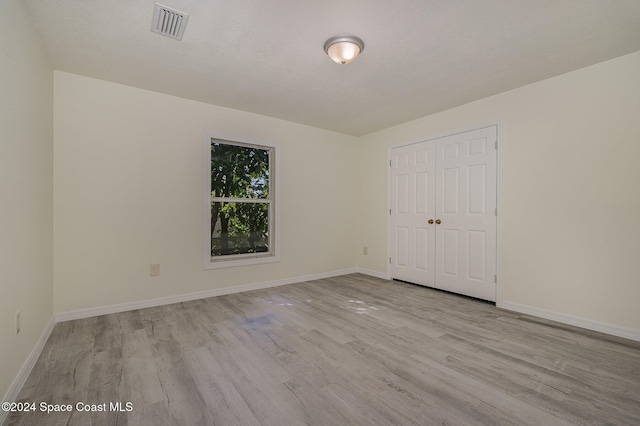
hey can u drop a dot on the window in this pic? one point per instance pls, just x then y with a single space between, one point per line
240 204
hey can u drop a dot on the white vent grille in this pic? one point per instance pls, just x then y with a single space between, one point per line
169 22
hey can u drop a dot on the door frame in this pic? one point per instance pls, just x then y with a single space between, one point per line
498 125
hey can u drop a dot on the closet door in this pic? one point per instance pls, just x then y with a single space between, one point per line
412 244
450 182
466 208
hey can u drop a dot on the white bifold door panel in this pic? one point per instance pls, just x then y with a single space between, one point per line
443 213
413 187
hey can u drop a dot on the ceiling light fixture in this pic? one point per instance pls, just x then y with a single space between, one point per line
343 49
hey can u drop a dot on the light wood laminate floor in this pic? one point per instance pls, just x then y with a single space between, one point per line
352 350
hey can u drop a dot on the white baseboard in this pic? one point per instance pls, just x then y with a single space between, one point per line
26 368
149 303
615 330
371 272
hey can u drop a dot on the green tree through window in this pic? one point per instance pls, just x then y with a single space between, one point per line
241 204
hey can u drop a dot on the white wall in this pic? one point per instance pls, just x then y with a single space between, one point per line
26 190
571 228
129 192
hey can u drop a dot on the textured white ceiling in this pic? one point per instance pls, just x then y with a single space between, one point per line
266 56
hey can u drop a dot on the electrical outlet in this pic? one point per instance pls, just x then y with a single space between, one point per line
18 322
154 269
365 251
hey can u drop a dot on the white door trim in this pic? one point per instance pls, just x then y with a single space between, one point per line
498 125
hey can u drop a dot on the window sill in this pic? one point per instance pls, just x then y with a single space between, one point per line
240 260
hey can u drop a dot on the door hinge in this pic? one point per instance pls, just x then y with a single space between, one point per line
496 144
389 211
495 211
495 279
389 261
389 163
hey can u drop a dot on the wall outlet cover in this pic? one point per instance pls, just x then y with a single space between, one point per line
154 269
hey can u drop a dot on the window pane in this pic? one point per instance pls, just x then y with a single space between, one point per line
239 228
239 171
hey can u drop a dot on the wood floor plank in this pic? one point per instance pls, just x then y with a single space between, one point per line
139 382
350 350
222 398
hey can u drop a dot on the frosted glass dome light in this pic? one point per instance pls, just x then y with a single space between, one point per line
343 49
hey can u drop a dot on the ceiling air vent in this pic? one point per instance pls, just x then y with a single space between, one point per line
169 22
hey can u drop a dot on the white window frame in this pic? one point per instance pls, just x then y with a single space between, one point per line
235 260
